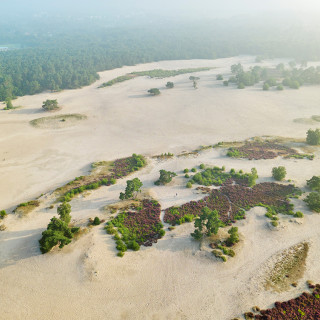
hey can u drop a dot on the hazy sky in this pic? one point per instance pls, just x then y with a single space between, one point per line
169 8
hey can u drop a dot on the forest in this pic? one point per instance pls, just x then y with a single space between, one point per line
68 58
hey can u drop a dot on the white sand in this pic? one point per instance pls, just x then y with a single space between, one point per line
173 279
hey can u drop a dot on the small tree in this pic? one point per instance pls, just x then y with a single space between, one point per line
219 77
195 85
313 137
170 85
165 177
252 177
313 201
279 173
50 105
266 86
133 186
9 104
314 183
207 223
226 83
64 212
234 237
154 91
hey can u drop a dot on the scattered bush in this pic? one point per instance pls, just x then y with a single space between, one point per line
279 173
313 201
189 185
3 214
274 223
226 83
194 170
50 105
185 170
165 177
154 91
186 176
207 223
298 214
201 166
219 77
96 221
314 183
266 87
234 237
170 85
133 186
313 137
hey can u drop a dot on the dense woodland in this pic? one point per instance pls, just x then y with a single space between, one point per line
67 56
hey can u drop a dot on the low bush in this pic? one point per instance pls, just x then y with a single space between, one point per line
96 221
298 214
189 185
279 173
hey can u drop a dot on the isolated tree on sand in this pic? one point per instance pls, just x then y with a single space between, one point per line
207 223
313 137
279 173
133 186
165 177
9 104
50 105
154 91
170 85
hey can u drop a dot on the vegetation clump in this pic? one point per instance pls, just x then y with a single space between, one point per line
154 91
50 105
135 228
313 201
58 231
169 85
233 199
207 223
314 183
279 173
306 306
132 188
313 137
115 170
165 177
217 176
264 150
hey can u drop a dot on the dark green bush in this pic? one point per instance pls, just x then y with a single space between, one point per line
189 185
279 173
313 201
313 137
96 221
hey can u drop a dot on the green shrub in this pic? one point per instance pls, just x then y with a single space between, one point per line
121 246
298 214
280 87
3 214
266 87
96 221
240 85
162 233
185 170
313 201
313 137
170 85
113 181
279 173
165 177
219 77
189 185
201 166
186 176
120 254
314 183
274 223
194 170
154 91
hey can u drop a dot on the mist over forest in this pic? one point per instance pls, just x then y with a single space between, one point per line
60 45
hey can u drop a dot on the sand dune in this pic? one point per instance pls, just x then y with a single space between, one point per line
173 279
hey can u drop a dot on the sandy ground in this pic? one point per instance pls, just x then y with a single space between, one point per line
173 279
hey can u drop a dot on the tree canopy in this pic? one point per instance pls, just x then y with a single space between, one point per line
50 105
313 137
165 177
133 186
207 223
154 91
